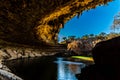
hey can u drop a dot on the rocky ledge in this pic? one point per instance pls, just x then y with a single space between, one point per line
38 21
10 51
28 25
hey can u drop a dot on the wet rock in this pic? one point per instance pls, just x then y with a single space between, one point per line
5 75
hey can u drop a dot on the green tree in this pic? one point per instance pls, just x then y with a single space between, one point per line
85 36
102 34
91 35
64 38
116 22
71 38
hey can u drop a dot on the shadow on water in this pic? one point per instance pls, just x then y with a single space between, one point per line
46 68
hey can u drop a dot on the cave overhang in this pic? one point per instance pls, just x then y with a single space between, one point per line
39 21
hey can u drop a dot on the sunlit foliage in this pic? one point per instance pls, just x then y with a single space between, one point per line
93 38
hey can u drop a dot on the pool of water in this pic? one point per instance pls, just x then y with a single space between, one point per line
46 68
67 69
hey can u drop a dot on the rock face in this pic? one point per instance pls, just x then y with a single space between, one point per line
106 55
18 51
75 46
107 52
4 75
37 21
13 51
80 47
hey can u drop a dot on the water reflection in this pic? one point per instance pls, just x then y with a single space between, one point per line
46 68
68 69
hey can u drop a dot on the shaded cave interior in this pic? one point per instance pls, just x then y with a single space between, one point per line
39 22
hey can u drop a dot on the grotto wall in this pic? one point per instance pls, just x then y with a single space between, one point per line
38 21
35 22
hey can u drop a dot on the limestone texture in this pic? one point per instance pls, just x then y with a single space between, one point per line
39 21
27 25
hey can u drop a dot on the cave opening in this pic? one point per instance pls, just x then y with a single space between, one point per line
94 21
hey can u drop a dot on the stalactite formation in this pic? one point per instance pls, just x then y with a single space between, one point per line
38 21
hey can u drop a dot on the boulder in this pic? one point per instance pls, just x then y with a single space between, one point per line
107 52
106 55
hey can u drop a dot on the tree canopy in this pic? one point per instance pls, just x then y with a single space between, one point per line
116 22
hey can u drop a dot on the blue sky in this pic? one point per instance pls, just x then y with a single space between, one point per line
93 21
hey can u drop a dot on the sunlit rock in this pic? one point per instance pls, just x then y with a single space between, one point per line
80 46
37 21
75 46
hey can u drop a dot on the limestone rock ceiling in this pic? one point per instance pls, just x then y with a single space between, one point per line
37 21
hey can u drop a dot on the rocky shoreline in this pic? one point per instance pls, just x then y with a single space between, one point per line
11 51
